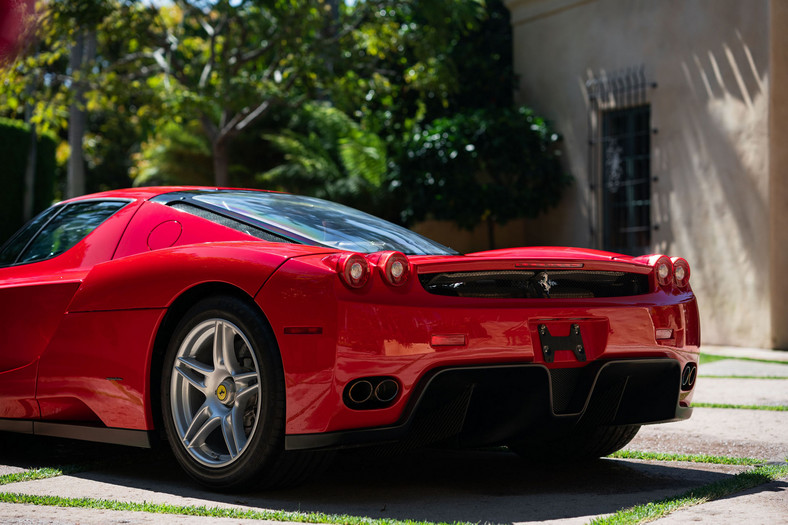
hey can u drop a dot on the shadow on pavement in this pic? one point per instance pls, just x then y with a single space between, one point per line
430 485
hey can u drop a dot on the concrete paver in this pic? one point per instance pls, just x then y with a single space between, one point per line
735 367
764 505
750 353
19 514
481 486
475 486
757 434
7 469
761 392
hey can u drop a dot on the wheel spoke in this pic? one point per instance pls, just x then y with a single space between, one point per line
190 370
245 394
245 379
224 347
197 366
233 432
201 426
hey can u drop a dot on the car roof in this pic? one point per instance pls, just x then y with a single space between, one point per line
146 193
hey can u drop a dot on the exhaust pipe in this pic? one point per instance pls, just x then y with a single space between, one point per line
688 376
369 393
360 392
386 390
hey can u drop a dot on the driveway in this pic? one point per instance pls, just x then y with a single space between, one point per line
441 486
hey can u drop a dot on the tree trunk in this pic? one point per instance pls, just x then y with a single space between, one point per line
221 163
28 199
82 53
491 232
75 177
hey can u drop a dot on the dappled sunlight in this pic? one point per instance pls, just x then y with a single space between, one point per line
712 196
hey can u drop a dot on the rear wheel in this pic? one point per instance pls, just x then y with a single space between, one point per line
223 399
588 444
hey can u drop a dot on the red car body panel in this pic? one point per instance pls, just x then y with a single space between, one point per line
98 367
79 330
386 331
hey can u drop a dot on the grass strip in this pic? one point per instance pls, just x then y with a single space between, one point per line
691 458
31 475
774 408
718 489
712 376
214 512
711 358
48 472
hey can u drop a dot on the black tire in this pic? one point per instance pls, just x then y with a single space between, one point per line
223 399
583 445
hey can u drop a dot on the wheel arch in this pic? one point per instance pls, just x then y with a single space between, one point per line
175 313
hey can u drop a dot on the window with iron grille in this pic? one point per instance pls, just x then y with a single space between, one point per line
626 180
619 160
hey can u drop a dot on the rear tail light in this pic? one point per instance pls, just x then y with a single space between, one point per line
353 269
664 270
681 272
395 268
664 333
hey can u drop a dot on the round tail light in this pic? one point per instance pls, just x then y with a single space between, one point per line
353 270
395 268
681 271
664 270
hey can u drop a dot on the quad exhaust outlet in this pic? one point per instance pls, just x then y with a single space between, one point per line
688 376
371 392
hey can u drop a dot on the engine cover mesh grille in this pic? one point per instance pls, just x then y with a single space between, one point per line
528 284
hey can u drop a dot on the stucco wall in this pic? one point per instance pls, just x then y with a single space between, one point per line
710 60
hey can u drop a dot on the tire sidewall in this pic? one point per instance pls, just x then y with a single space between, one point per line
267 441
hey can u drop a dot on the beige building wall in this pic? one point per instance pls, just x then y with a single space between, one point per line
710 60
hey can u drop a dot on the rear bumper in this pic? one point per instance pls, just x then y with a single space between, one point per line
475 406
330 336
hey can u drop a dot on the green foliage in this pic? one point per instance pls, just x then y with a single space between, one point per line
40 85
14 148
484 62
175 155
329 155
773 408
710 358
30 475
485 164
692 458
397 65
399 107
215 512
437 87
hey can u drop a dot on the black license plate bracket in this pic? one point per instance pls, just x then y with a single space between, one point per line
551 344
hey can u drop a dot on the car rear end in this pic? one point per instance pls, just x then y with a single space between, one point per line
483 349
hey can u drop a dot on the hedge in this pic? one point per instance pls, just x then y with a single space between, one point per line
14 147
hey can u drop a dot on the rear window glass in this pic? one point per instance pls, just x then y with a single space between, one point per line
322 222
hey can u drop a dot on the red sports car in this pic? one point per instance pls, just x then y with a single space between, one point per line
256 330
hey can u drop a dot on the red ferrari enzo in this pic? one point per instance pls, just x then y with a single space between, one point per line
255 330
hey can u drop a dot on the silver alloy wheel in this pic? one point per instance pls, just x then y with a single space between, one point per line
215 392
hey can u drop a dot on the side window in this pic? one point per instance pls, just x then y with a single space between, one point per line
67 228
11 250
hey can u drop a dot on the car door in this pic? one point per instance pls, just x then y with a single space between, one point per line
41 268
